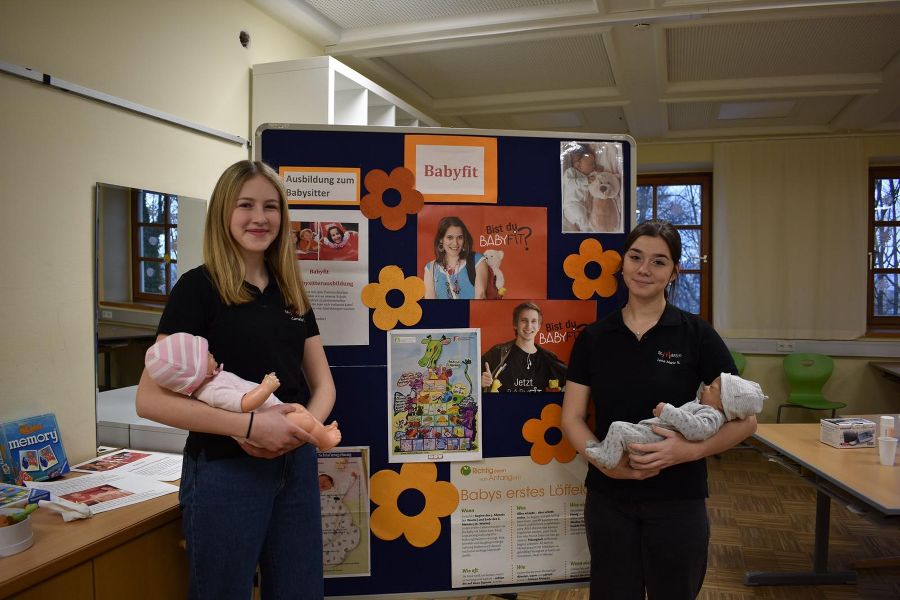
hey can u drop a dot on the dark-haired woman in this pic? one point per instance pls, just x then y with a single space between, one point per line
646 520
457 271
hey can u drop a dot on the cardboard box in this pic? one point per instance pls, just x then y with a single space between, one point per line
31 449
847 433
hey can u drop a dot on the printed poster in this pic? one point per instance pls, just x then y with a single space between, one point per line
506 247
518 522
453 168
344 494
560 322
591 176
434 398
333 249
321 185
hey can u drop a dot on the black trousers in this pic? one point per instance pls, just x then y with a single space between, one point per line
657 546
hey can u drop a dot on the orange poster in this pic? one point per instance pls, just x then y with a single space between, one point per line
453 168
472 252
561 319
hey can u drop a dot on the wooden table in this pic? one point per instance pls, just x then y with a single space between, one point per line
107 554
891 370
852 476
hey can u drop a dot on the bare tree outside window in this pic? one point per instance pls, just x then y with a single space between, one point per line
154 245
884 250
683 200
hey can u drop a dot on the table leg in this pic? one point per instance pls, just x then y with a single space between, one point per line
820 574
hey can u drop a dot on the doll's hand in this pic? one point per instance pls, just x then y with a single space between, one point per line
657 412
672 450
273 434
623 470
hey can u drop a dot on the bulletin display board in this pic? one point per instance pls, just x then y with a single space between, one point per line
467 492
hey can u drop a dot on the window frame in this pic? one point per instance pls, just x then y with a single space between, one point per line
704 180
136 256
875 325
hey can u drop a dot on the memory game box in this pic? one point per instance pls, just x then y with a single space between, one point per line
31 449
848 433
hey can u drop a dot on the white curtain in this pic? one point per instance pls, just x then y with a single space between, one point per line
789 239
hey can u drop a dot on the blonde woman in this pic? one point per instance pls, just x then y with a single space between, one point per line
255 501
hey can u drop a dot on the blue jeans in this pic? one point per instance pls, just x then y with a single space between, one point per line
243 511
657 546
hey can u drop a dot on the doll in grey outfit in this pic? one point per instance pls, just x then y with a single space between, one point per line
727 397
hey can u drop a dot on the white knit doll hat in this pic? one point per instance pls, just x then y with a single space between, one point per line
740 397
178 362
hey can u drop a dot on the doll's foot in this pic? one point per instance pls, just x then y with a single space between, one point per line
330 436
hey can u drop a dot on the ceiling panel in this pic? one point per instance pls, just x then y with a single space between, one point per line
782 48
373 13
561 63
588 120
699 68
817 111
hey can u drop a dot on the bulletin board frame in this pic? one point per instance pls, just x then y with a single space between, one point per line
528 172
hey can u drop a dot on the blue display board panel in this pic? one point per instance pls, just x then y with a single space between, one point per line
528 166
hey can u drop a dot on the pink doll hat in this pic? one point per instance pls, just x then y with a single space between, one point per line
178 362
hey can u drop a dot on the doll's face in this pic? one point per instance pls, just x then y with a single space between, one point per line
325 483
306 234
712 394
211 364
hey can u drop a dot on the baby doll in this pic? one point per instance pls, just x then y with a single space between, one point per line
182 363
727 397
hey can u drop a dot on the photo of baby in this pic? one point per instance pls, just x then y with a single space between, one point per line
592 194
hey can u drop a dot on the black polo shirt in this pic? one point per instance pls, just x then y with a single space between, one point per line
249 340
629 377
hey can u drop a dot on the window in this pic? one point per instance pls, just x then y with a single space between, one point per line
154 256
684 200
884 249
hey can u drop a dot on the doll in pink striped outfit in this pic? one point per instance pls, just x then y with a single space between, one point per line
182 363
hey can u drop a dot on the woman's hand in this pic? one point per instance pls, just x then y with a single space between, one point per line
624 470
672 450
272 434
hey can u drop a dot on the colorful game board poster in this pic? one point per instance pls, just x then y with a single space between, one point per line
434 395
344 493
512 240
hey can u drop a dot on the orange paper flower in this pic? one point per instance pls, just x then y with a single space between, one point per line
392 217
423 529
534 430
610 261
374 295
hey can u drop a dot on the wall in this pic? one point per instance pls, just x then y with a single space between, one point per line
180 57
854 382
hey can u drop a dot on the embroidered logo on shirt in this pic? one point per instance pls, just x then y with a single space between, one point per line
295 316
668 358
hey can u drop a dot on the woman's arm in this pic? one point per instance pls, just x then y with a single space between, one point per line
574 426
675 449
270 430
318 377
429 283
481 279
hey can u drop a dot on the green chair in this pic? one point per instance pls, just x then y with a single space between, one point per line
807 374
740 361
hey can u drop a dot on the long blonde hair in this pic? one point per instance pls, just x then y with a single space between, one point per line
220 250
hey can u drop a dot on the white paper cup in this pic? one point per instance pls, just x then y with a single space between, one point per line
15 538
887 450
